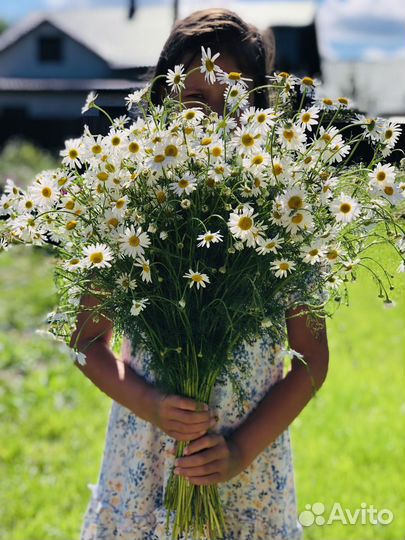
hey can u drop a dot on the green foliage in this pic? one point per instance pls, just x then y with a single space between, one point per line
19 159
348 443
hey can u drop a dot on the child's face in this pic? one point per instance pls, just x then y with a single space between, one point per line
197 89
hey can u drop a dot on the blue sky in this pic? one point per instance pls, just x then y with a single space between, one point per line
12 10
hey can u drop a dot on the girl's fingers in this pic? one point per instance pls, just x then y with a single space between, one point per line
188 428
185 436
188 404
210 440
202 470
202 458
189 417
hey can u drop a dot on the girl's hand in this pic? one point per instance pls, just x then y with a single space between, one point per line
210 459
182 418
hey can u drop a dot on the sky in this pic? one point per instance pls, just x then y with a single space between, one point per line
348 29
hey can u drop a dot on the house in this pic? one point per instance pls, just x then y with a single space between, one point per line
50 61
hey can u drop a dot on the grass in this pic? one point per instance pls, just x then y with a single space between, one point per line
348 443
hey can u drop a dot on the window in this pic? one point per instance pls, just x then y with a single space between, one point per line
50 49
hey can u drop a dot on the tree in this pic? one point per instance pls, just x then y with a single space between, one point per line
3 25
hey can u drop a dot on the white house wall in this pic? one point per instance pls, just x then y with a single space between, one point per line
21 58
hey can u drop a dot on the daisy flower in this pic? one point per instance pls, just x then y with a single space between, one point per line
269 245
72 153
138 306
309 118
291 137
294 199
241 224
236 96
90 101
73 264
208 237
145 265
125 282
313 253
197 278
298 221
390 133
382 174
136 96
308 84
97 256
185 203
185 184
281 267
208 66
246 139
232 78
175 78
192 115
44 191
133 241
345 208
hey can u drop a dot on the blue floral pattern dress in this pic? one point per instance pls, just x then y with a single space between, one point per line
259 503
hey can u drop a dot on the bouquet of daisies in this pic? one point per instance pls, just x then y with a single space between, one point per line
193 229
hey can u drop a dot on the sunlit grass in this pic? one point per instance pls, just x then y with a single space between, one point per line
348 443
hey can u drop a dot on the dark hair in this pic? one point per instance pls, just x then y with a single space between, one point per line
223 31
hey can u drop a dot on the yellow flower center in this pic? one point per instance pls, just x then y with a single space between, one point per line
189 115
46 192
103 176
284 266
62 181
345 208
96 257
314 252
171 150
209 65
389 133
295 202
234 76
306 117
327 137
183 183
96 149
248 140
257 160
161 196
297 219
134 147
70 205
277 169
73 262
261 118
270 245
197 278
219 169
110 168
115 141
112 222
343 101
284 75
120 203
381 176
209 237
73 154
28 204
307 160
71 225
389 190
245 223
146 267
217 151
327 101
308 81
332 254
288 134
206 141
134 241
159 158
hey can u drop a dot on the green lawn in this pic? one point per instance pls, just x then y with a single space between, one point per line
348 443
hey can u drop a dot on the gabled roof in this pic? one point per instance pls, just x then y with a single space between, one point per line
121 42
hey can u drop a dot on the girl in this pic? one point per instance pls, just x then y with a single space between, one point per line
249 457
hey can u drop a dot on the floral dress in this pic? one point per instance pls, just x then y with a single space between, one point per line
127 503
259 503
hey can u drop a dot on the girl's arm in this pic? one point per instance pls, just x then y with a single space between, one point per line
179 417
286 399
